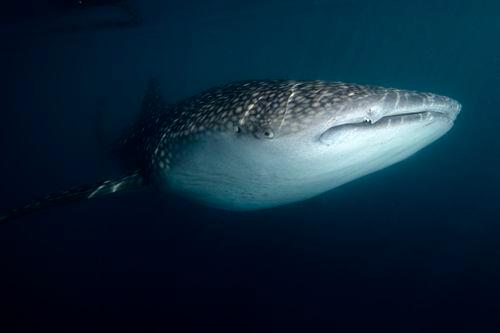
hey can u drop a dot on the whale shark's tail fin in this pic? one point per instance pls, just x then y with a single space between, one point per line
133 181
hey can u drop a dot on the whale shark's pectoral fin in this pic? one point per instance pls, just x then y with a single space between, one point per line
133 181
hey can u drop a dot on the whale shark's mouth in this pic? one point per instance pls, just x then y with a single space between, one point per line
425 116
389 121
412 117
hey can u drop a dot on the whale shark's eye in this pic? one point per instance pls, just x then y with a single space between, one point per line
264 133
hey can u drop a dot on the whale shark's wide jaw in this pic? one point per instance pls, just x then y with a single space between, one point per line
429 108
416 116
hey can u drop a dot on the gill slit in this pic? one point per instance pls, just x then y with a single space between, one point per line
250 107
292 93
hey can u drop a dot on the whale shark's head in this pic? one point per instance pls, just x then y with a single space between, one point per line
288 141
366 124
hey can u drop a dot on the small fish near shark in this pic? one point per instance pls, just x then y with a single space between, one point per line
260 144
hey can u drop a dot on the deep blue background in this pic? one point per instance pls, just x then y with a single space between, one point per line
415 247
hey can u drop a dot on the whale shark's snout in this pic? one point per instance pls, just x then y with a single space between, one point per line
385 103
392 110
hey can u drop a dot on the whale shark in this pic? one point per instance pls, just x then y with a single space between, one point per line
260 144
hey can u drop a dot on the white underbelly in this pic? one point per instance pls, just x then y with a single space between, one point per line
237 174
247 174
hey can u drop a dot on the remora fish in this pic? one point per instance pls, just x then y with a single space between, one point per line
259 144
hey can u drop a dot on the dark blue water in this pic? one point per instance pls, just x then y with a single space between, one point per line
412 248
